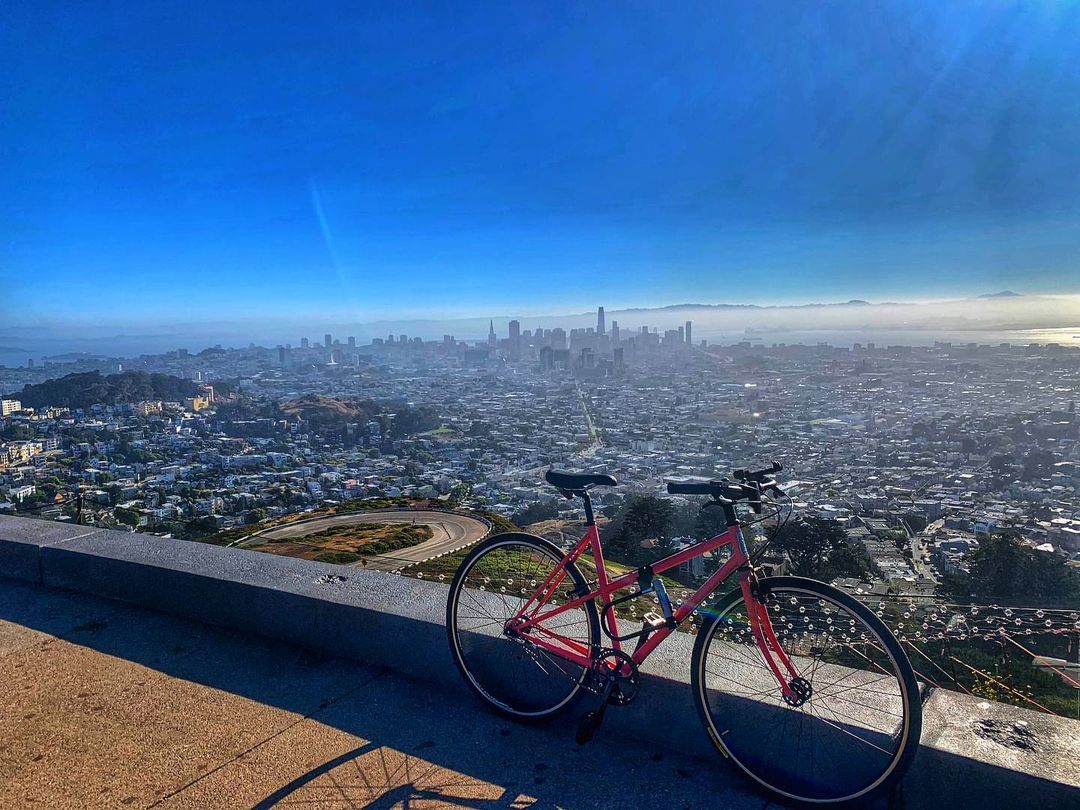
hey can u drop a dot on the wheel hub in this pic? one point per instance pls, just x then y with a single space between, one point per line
801 691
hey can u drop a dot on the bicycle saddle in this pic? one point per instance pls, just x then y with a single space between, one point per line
576 482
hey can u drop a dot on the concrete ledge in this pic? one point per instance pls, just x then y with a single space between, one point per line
21 541
398 623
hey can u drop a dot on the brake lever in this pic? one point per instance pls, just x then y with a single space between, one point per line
756 501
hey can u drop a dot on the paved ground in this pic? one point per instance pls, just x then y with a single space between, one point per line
105 705
450 532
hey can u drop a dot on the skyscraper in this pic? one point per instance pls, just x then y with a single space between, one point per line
492 340
515 339
305 343
614 331
600 327
327 340
689 339
352 343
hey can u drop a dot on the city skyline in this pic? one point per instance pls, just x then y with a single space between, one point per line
1004 316
241 164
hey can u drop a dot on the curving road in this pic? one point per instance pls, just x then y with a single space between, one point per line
450 532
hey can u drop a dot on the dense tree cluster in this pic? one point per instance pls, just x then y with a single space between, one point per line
91 388
641 518
818 548
399 419
535 512
1001 569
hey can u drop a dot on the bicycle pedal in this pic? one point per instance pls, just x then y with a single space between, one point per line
653 620
650 623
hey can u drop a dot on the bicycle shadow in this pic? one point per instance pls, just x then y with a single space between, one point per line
402 785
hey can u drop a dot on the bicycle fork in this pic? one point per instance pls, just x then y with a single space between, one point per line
795 689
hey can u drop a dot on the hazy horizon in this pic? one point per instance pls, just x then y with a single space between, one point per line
989 318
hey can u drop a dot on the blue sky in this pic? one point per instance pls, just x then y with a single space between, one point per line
162 161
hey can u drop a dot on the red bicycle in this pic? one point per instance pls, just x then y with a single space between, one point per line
797 683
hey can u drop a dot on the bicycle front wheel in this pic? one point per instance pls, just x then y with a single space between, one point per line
516 677
856 727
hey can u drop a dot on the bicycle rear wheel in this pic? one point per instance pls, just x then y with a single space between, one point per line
859 726
514 676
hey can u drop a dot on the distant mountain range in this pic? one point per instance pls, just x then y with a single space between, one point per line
854 302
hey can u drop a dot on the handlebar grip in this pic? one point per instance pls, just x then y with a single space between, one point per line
690 488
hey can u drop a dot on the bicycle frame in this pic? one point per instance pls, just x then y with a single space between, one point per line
528 621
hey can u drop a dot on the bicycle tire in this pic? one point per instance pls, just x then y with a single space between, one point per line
855 729
529 696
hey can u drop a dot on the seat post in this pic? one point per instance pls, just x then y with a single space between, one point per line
589 519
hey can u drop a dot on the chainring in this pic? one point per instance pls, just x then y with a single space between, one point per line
623 670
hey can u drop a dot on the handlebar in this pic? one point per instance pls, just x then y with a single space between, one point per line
759 476
749 487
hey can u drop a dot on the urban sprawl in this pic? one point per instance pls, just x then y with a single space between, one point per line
936 446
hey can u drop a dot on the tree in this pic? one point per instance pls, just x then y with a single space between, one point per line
17 433
642 517
478 428
1001 463
459 493
698 520
1002 569
916 522
82 390
201 526
534 513
127 516
818 548
710 522
1038 464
